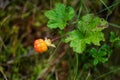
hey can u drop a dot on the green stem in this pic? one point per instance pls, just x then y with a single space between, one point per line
101 76
80 10
105 5
88 76
107 9
76 68
114 25
51 4
112 6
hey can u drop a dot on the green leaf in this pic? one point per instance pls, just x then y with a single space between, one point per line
90 23
117 44
59 16
74 35
103 23
113 37
78 45
88 33
100 55
93 51
95 62
95 38
103 60
115 40
76 41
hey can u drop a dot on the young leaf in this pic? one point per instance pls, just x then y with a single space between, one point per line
113 37
95 62
59 16
100 55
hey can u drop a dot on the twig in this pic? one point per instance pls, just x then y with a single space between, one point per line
3 74
88 75
2 43
56 73
58 37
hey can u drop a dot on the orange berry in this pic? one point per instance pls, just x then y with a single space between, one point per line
40 46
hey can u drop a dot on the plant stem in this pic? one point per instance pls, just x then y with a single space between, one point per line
76 68
103 75
114 25
5 77
105 5
88 75
58 37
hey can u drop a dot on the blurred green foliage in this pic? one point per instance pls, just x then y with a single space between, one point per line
21 22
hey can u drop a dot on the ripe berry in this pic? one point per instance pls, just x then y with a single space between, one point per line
40 46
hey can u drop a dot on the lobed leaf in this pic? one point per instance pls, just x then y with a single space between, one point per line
59 16
100 55
88 33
